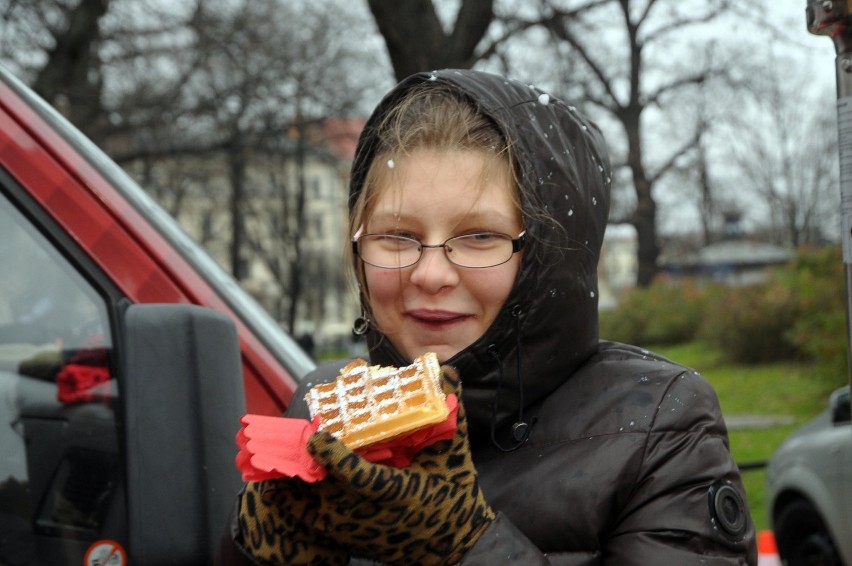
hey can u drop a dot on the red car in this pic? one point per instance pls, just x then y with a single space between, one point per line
127 357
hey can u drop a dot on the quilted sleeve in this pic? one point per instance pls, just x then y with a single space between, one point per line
503 543
688 498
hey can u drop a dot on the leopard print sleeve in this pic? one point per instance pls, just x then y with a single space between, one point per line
273 526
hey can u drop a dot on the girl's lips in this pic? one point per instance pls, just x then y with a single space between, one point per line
436 319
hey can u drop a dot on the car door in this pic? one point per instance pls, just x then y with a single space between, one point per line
81 246
61 471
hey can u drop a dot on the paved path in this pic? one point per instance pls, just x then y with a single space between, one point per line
751 422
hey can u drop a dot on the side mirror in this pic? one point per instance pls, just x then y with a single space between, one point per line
840 406
183 398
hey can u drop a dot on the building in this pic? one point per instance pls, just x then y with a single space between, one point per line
733 262
293 214
618 265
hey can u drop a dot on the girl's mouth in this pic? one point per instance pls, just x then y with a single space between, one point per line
436 319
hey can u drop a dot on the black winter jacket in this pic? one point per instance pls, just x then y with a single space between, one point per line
627 459
627 464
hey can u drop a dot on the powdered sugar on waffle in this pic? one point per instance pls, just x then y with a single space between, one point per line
366 403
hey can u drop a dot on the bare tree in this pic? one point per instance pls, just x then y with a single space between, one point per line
697 178
785 157
416 40
59 42
326 78
214 104
625 68
88 57
626 47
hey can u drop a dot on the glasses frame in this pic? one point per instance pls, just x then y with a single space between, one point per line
518 244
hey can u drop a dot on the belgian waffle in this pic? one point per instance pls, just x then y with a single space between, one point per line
366 404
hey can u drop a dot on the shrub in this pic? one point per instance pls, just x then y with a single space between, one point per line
794 314
750 324
816 276
664 313
797 313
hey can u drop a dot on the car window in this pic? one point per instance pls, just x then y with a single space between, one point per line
59 471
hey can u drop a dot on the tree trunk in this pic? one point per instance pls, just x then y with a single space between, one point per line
645 222
297 269
70 80
707 211
645 215
237 159
417 42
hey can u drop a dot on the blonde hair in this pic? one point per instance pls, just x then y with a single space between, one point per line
431 116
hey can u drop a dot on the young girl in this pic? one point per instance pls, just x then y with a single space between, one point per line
477 210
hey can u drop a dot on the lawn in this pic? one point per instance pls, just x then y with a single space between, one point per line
797 390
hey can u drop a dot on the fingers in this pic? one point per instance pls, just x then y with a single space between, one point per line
332 453
359 475
452 385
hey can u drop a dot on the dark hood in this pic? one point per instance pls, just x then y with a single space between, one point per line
551 315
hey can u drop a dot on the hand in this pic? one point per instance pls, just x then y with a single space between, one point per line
430 512
273 519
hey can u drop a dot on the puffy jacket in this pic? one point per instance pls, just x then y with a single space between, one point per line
625 460
627 464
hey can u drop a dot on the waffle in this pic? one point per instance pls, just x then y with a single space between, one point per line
367 404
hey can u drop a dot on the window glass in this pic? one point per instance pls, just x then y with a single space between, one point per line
59 470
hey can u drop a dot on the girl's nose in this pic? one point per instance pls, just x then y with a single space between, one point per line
434 271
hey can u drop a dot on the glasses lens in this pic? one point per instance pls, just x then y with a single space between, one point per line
383 250
486 249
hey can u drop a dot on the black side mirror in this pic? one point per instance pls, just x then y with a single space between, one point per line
183 397
840 408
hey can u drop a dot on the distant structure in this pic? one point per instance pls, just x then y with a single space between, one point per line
618 264
314 162
735 259
733 262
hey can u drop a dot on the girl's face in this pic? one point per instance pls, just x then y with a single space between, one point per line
435 305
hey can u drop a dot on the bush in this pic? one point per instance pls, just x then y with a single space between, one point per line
662 314
750 324
820 333
798 313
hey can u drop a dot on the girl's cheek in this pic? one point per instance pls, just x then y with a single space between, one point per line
384 283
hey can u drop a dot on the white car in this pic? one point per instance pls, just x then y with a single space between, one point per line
809 489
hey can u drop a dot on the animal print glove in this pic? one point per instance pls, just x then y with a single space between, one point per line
430 512
273 519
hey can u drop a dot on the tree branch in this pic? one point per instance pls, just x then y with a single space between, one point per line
473 19
556 25
680 23
672 160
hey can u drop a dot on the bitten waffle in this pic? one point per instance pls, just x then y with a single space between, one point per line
366 404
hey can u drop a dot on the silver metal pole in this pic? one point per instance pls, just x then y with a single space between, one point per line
834 19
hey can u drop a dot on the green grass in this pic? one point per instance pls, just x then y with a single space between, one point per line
797 390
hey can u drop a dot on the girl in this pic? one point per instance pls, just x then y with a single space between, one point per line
477 210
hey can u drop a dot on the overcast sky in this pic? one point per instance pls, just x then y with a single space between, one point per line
818 51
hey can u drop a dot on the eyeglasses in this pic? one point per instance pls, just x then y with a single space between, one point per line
483 249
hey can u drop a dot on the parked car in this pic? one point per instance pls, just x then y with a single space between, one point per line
809 481
127 357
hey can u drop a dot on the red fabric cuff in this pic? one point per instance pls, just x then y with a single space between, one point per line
276 447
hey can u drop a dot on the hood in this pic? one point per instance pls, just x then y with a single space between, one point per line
549 324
